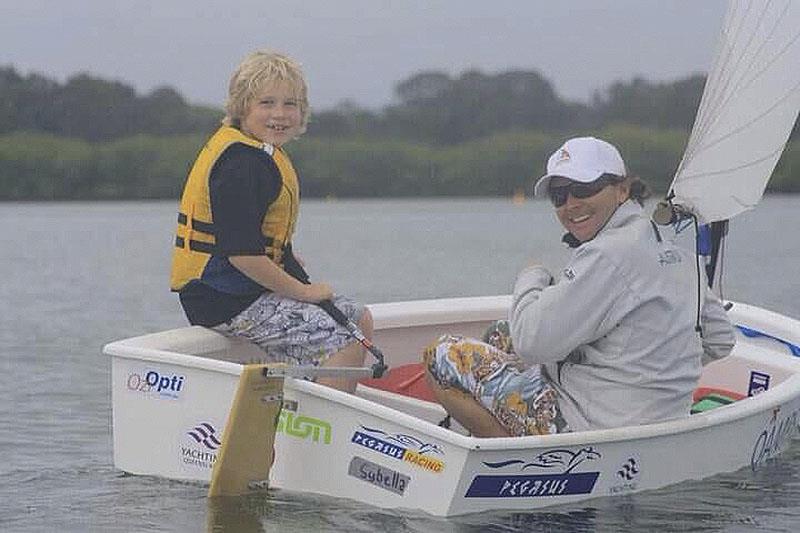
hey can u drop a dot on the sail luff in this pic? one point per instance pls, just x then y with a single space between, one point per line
747 112
721 84
741 85
712 91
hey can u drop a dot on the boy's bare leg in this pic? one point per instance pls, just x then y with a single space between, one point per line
352 355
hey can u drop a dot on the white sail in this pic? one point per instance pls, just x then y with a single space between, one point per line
749 106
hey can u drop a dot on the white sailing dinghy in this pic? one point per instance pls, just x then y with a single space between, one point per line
185 404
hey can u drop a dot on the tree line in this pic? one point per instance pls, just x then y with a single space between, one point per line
92 109
472 134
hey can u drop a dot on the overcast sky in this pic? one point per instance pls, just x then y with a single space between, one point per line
359 49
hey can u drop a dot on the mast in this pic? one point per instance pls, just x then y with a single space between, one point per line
719 230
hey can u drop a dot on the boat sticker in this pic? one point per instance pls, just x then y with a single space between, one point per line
201 446
562 481
205 434
155 385
304 427
559 459
759 382
775 436
629 470
401 447
378 475
626 478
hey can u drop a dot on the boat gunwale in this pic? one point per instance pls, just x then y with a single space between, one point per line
438 311
126 350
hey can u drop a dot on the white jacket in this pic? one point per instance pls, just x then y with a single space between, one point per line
616 333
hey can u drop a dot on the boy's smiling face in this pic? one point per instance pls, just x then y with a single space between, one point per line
274 115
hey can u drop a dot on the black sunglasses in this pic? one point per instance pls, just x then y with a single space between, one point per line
558 195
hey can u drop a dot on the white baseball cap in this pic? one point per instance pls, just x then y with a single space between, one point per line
582 159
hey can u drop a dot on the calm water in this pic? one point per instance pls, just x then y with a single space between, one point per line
78 275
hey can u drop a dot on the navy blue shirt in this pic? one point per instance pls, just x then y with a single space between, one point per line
242 185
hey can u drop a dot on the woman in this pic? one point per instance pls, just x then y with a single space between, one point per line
615 341
233 265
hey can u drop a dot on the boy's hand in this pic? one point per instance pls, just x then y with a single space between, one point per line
316 292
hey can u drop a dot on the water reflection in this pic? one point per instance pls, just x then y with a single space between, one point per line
578 520
240 514
738 501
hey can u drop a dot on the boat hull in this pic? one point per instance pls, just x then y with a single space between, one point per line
172 392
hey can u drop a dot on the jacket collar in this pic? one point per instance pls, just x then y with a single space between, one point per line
621 216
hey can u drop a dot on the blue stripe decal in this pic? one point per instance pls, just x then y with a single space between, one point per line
749 332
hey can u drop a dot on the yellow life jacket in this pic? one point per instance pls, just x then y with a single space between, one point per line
194 239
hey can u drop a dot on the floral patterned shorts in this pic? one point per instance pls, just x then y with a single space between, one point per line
290 331
521 399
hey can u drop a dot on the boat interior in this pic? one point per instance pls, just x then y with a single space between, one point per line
752 368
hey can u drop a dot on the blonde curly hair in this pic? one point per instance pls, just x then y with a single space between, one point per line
256 70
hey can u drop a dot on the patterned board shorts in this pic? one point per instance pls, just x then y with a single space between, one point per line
290 331
519 397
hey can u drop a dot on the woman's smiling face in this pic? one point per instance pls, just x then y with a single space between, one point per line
585 217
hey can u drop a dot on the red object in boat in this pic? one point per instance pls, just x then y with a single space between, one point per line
702 392
408 380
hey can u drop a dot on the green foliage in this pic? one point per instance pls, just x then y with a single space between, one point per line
364 168
785 176
439 109
497 165
475 134
145 166
655 105
435 108
653 155
94 109
43 166
500 164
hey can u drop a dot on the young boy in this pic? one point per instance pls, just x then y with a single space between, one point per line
233 247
